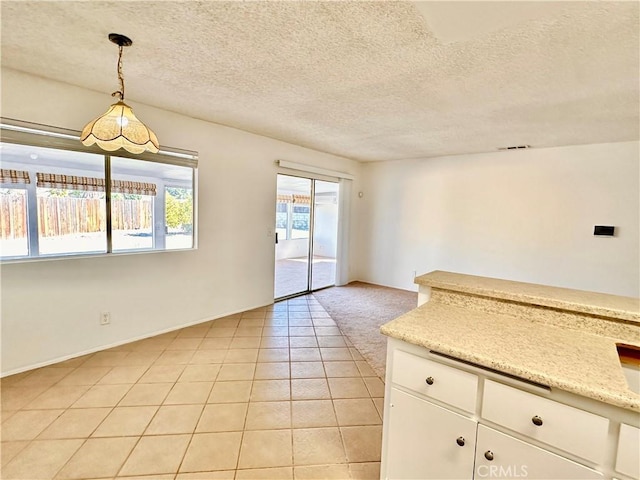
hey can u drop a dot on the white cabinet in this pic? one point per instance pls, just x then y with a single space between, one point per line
426 441
501 456
547 435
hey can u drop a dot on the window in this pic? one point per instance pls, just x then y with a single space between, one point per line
70 198
53 201
178 216
13 212
133 197
292 216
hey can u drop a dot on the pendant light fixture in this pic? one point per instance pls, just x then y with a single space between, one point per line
119 127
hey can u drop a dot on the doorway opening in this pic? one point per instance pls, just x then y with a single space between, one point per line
306 235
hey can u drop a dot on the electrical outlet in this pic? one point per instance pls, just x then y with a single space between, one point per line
105 318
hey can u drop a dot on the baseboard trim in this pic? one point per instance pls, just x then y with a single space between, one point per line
124 342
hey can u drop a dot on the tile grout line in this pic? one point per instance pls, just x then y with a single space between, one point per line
335 412
154 415
292 442
293 468
86 440
246 414
195 427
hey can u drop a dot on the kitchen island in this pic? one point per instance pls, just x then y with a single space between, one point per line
531 371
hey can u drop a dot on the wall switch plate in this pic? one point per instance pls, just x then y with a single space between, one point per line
604 230
105 318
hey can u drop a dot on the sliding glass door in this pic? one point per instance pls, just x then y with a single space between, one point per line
293 221
306 235
325 235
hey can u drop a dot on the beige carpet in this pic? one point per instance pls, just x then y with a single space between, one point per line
360 308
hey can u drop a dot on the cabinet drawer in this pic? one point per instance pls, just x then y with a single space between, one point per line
568 428
628 448
445 383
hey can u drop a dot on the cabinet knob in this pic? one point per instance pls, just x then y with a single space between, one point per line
537 421
429 380
488 455
460 441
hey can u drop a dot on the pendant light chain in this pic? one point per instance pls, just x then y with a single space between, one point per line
120 92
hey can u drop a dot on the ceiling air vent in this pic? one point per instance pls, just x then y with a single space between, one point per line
517 147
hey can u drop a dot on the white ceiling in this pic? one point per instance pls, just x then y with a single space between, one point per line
367 80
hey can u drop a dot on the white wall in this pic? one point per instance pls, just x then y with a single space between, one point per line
525 215
50 308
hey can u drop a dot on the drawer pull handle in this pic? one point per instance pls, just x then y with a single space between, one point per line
537 421
460 441
429 380
488 455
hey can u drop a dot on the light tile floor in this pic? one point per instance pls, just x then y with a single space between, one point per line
272 393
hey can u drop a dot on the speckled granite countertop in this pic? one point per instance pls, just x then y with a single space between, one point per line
623 308
573 361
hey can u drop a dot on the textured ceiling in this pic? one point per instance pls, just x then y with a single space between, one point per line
366 80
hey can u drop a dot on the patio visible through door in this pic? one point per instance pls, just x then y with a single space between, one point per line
306 235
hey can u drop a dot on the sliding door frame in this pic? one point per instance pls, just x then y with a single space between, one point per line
313 177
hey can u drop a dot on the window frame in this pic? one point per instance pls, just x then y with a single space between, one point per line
36 135
23 187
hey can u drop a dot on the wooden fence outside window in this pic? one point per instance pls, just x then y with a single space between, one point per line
59 216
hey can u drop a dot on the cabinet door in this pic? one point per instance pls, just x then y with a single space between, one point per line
628 447
422 441
513 458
